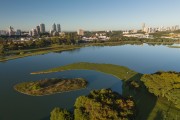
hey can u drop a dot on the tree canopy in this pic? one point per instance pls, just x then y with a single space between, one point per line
60 114
164 84
101 104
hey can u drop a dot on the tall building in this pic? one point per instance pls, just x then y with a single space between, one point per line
34 32
11 31
143 27
30 33
38 29
54 27
3 32
80 32
18 32
58 28
42 28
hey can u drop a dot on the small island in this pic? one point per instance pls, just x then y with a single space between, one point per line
50 86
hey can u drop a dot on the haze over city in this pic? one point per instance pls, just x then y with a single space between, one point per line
88 14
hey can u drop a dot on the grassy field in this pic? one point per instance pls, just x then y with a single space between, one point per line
31 52
123 72
149 107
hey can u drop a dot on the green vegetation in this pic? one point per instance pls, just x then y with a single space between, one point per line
118 71
50 86
1 49
148 105
13 48
60 114
38 51
164 84
100 105
174 46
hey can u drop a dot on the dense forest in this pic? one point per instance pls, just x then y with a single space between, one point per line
164 84
101 104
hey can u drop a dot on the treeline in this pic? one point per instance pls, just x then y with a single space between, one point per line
164 84
143 40
7 45
99 104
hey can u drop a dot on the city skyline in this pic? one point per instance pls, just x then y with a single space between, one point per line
88 15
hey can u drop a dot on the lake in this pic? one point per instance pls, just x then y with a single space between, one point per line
17 106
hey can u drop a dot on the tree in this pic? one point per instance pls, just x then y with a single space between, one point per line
60 114
1 49
40 43
164 84
103 104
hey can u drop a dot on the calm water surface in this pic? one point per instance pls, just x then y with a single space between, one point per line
16 106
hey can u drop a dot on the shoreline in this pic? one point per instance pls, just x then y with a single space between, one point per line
61 48
47 94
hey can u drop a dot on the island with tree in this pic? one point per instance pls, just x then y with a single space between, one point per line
50 86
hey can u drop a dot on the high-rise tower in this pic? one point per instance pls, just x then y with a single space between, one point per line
54 27
58 28
143 27
42 28
38 29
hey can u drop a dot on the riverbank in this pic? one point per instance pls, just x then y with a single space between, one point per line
50 86
39 51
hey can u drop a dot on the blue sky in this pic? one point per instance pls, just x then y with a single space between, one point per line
89 14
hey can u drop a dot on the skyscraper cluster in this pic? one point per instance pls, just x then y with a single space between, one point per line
153 30
10 32
40 29
56 29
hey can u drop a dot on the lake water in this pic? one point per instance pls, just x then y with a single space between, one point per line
17 106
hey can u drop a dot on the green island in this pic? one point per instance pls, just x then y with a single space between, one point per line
101 104
50 86
152 100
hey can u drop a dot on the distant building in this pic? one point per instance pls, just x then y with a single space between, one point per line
54 27
38 29
18 32
3 32
30 33
34 32
143 27
62 34
80 32
139 35
51 32
42 28
11 31
58 28
55 33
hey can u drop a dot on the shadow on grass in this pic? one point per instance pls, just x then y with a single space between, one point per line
159 116
144 100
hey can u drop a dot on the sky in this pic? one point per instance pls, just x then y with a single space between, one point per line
89 14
